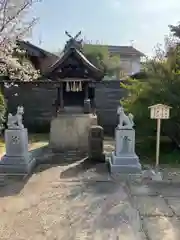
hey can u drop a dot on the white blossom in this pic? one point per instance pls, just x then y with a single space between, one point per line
13 61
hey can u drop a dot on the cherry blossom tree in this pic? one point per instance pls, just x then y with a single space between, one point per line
14 63
13 26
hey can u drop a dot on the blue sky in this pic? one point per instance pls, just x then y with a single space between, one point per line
114 22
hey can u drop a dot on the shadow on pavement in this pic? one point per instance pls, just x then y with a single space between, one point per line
85 165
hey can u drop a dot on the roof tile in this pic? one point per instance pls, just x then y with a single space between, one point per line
124 50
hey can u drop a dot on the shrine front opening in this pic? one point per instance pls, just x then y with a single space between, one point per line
74 94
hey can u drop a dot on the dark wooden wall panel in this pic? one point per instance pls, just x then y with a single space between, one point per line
38 101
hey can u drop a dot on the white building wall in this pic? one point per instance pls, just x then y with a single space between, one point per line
130 65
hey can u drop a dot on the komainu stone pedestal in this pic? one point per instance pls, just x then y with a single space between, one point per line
17 158
124 158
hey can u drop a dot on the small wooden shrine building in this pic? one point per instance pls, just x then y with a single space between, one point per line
73 75
71 72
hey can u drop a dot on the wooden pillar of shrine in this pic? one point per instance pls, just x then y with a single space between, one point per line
59 102
86 91
58 97
61 99
87 103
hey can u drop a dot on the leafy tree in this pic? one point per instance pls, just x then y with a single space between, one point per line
162 86
172 40
100 57
175 30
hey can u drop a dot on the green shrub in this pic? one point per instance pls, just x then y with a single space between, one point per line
161 86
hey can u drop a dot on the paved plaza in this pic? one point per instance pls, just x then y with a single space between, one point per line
81 201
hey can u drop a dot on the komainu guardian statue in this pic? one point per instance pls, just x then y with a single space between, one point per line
125 122
15 122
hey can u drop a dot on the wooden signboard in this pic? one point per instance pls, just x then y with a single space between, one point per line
159 111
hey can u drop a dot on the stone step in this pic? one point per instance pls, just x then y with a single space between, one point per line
12 176
2 181
5 180
8 179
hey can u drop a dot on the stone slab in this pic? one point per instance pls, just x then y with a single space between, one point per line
143 190
162 228
174 203
124 168
152 206
124 164
21 164
126 159
169 191
171 173
131 178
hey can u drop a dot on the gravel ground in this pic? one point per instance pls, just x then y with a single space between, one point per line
68 202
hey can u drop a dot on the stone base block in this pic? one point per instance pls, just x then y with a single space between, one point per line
124 164
21 164
70 132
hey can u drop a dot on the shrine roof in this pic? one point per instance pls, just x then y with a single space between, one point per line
34 50
73 57
66 54
51 63
160 105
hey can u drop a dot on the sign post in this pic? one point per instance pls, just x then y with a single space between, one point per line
159 111
158 141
